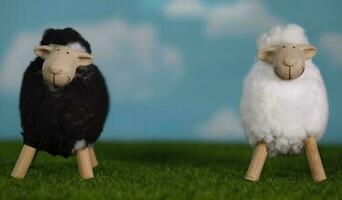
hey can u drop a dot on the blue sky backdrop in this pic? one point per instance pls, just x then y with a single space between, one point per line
174 68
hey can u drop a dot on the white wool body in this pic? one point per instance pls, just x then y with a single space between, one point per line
283 113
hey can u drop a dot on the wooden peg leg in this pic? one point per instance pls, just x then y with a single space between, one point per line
84 164
23 162
314 160
92 156
257 162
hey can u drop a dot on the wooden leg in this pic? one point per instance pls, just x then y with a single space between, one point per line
92 156
314 160
84 164
257 162
23 162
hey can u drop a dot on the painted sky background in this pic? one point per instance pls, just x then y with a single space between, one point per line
174 68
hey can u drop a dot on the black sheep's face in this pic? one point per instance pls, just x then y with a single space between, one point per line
61 63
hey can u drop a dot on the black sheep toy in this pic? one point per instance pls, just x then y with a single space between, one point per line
63 102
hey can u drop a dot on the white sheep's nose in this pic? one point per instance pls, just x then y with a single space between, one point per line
290 62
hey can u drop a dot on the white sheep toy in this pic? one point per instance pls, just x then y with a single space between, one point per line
284 106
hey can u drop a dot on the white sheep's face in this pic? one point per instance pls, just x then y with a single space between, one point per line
288 59
61 62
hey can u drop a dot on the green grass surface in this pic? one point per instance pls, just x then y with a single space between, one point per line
170 171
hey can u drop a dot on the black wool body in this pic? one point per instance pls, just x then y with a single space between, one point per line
53 119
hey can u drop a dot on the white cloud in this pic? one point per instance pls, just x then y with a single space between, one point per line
223 124
240 18
15 61
331 43
184 8
244 17
136 65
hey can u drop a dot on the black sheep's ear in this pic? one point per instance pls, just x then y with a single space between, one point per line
84 59
42 51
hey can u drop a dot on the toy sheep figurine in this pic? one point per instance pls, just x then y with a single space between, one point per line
284 104
63 102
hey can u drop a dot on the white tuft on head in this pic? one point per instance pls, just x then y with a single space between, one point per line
291 33
77 46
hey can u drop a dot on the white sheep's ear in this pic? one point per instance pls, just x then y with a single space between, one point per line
84 59
42 51
267 54
308 51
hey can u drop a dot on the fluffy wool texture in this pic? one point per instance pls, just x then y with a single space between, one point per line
62 120
283 113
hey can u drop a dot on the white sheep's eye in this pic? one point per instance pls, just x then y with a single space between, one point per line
57 49
284 46
67 52
294 47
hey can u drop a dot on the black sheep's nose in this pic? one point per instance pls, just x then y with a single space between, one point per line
55 71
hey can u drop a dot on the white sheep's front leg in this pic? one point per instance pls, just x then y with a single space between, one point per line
314 159
257 162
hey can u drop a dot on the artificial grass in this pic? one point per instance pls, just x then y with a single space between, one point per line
170 170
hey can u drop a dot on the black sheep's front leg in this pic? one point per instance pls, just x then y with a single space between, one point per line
84 163
24 161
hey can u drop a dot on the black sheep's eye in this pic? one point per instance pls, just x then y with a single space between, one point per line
284 46
67 52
